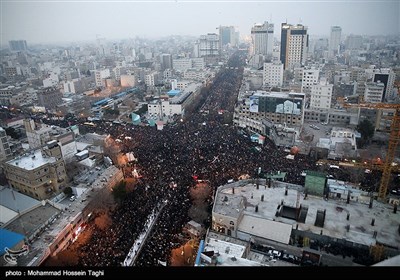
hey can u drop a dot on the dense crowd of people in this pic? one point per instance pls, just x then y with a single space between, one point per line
201 147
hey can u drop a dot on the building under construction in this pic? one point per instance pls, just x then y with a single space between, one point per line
339 215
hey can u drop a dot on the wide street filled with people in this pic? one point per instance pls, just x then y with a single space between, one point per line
200 147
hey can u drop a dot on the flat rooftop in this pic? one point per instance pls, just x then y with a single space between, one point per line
31 162
361 231
265 228
15 200
221 246
228 204
31 221
294 95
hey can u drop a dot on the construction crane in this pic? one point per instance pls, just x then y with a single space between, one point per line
371 165
394 138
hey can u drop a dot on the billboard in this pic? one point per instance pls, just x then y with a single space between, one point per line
282 105
254 101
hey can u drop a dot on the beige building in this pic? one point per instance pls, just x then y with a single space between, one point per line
40 174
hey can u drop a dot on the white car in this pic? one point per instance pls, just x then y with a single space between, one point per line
72 198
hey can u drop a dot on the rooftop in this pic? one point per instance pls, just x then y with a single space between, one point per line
29 222
279 94
32 161
361 231
228 253
277 231
16 201
228 204
220 246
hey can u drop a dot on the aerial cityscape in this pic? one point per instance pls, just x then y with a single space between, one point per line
198 134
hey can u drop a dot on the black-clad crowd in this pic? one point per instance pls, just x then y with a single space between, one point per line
169 160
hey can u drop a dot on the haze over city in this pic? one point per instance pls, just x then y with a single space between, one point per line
65 21
198 134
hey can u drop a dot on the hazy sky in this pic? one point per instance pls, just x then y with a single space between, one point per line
74 20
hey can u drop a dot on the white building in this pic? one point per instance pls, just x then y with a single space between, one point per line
174 84
198 63
159 109
294 45
182 85
182 64
165 108
262 35
273 74
386 76
334 41
194 74
117 73
374 92
37 136
74 86
151 79
310 77
51 81
101 76
167 74
321 96
342 143
208 46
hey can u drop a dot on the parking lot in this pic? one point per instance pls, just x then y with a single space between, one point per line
318 130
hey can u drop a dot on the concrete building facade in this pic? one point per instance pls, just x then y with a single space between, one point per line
40 174
273 74
294 45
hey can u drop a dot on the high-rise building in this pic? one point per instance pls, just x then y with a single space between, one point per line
386 76
321 96
334 41
310 77
166 61
227 35
374 92
353 42
208 46
18 45
273 74
262 35
294 45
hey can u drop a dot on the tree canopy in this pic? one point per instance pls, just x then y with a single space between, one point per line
367 130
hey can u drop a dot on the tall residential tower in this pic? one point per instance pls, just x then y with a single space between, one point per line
334 41
262 36
294 45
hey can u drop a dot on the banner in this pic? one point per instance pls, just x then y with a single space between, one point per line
254 104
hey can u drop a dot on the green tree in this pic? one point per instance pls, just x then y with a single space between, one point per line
111 111
119 191
10 131
68 191
367 130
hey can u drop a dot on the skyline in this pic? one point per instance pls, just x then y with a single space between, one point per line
68 21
